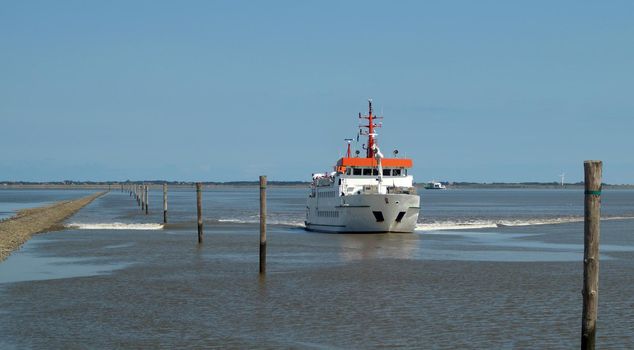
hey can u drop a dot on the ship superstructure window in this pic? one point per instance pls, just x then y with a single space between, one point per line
375 171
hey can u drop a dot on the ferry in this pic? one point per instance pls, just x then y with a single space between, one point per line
370 194
433 185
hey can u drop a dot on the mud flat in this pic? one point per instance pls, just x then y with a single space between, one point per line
18 229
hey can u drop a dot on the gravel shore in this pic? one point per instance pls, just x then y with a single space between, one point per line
18 229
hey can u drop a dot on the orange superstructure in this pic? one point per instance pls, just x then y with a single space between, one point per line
345 162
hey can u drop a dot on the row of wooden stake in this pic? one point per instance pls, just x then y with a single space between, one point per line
592 215
140 194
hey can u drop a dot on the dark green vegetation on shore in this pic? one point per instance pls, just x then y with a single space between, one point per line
544 185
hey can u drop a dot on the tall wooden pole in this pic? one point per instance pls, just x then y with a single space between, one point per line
142 198
165 203
147 195
199 207
262 224
591 231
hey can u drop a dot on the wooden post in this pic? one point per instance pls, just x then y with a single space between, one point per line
199 207
165 203
591 231
262 224
147 195
136 193
142 195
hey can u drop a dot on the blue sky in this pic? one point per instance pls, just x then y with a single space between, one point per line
228 90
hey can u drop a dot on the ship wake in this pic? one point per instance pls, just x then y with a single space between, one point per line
451 225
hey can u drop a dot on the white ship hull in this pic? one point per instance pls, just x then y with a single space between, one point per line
369 213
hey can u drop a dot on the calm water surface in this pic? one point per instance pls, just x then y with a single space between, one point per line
485 269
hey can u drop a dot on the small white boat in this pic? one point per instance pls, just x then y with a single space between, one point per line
433 185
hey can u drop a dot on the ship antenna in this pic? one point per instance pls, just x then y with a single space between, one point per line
370 126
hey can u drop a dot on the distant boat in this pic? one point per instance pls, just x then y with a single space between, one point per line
432 185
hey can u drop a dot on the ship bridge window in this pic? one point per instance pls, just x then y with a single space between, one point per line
375 171
356 171
387 172
396 172
367 171
348 171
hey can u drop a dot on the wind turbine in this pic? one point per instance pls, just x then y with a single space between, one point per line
562 178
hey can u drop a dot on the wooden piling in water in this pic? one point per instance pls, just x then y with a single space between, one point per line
262 224
165 203
199 207
593 170
147 197
142 195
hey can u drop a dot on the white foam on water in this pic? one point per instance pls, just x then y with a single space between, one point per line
479 224
453 225
268 221
237 221
114 226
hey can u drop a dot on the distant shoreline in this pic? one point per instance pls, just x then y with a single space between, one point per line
113 185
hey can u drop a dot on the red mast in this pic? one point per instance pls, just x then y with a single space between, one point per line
370 132
348 152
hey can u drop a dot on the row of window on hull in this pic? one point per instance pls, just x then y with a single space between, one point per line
326 194
375 172
328 214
